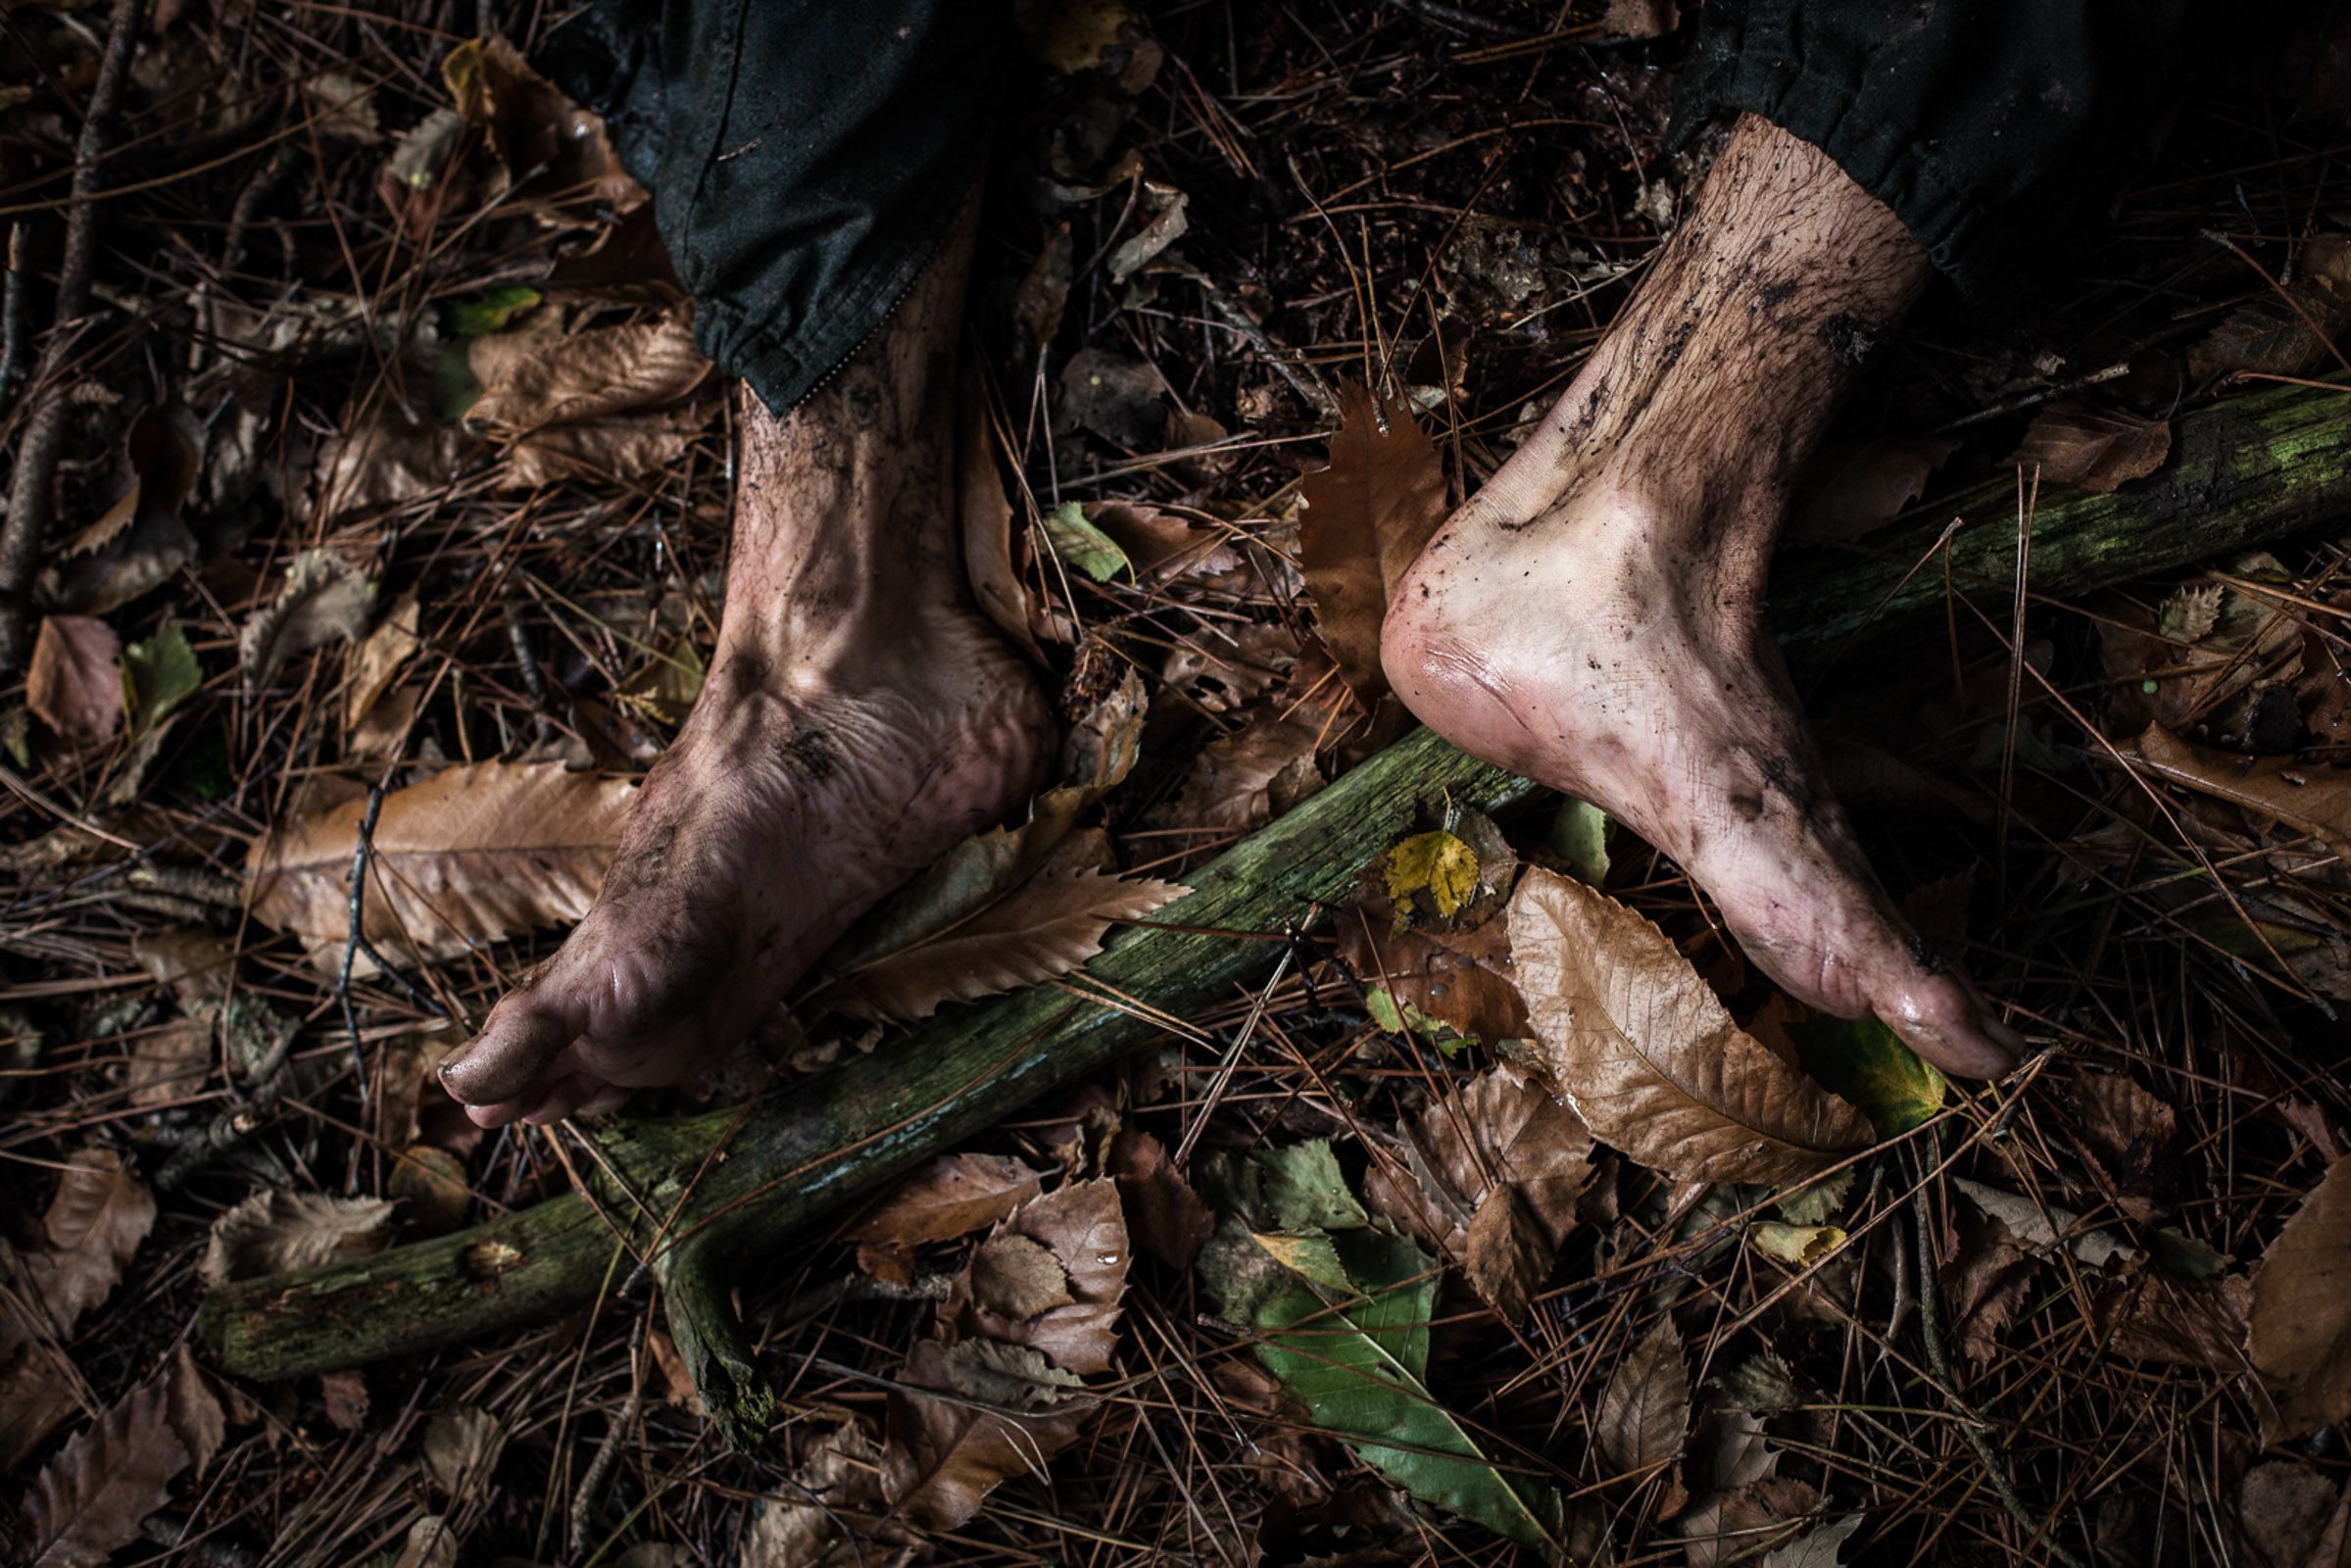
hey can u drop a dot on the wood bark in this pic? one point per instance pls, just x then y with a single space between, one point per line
691 1200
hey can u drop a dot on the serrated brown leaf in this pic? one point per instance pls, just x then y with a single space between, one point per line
2091 446
1650 1059
89 1500
461 1447
1984 1284
92 1228
321 601
1164 1215
471 854
273 1232
1162 546
36 1395
950 1197
1084 1230
1504 1133
1644 1411
1368 514
74 681
556 151
1015 1277
1505 1254
1460 977
1046 927
2300 1328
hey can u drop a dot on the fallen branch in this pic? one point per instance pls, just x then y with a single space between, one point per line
688 1198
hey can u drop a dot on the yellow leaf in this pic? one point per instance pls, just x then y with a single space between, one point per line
1797 1246
1437 862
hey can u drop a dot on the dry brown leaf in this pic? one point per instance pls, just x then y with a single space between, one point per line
2180 1322
1505 1254
171 1062
2283 1507
375 662
607 403
1642 18
1082 1226
194 961
471 854
2312 798
140 542
1116 398
1049 927
461 1447
36 1397
74 682
386 457
273 1232
950 1197
1164 1215
1650 1059
2095 448
986 525
943 1457
89 1501
557 150
1503 1135
1014 1277
1368 514
836 1490
430 1543
93 1227
1644 1411
2300 1338
322 601
2283 332
2127 1135
345 1395
1242 781
1854 487
1220 666
1161 546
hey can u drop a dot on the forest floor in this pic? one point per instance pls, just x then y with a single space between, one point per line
375 474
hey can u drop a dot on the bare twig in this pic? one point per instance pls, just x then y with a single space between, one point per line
30 498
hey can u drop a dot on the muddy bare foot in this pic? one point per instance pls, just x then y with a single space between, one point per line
1592 618
858 720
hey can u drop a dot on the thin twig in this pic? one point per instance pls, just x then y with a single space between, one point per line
29 498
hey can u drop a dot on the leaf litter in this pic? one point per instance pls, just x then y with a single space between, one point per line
509 403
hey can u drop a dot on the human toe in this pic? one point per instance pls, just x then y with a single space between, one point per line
512 1057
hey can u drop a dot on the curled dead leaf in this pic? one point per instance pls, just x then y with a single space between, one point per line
2095 448
950 1197
322 601
102 1211
1650 1059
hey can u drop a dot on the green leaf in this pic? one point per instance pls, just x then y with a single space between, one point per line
494 311
1081 544
1865 1064
1358 1362
1304 1190
1579 836
157 675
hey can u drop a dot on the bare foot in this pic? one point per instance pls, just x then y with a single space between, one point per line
858 720
1592 618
